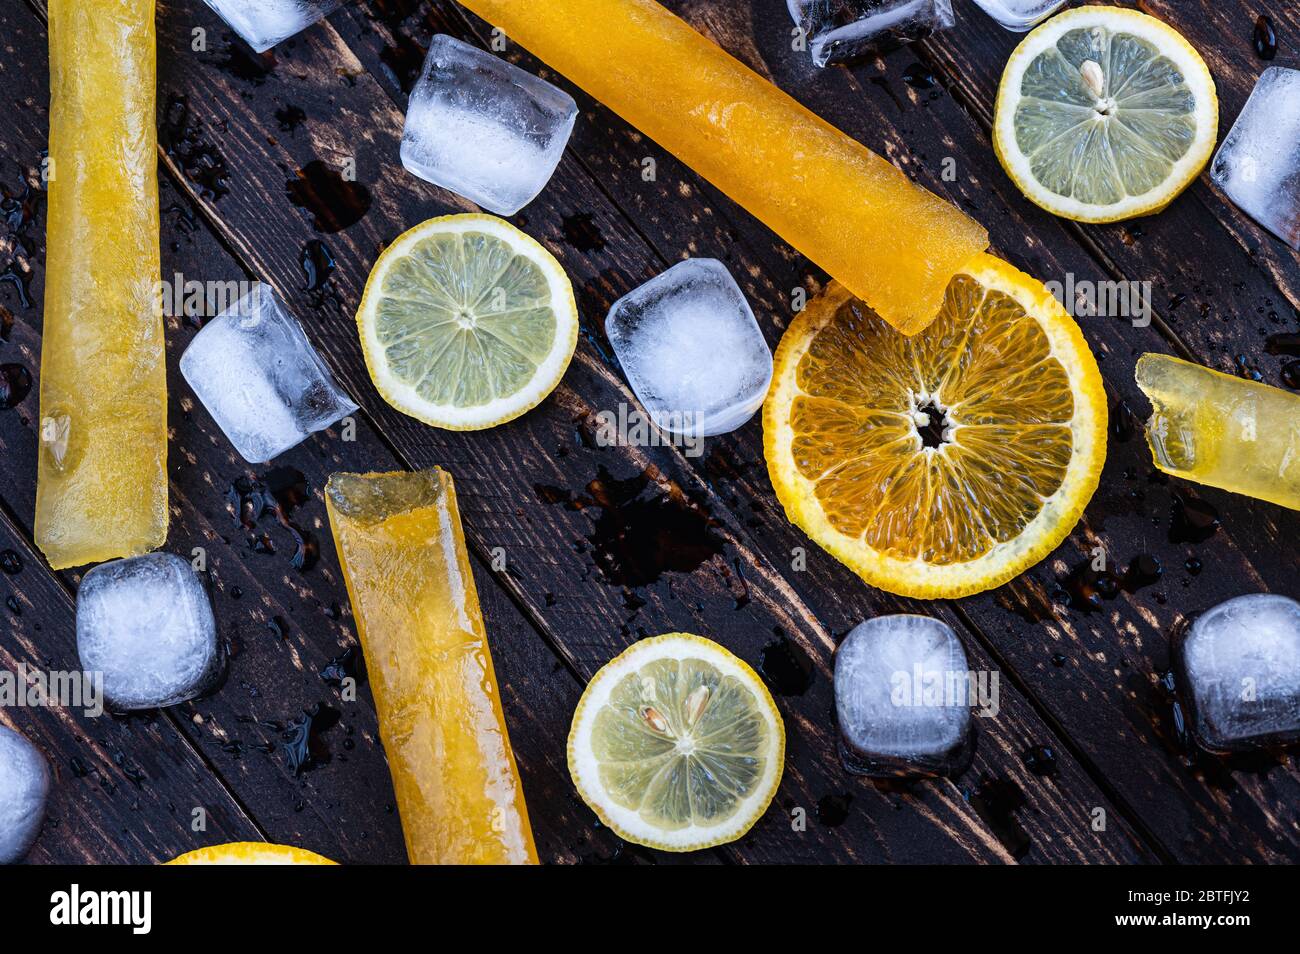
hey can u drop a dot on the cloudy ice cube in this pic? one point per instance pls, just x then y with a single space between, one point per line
838 30
260 379
483 128
1237 669
902 698
264 23
691 349
1020 15
1258 165
24 788
146 624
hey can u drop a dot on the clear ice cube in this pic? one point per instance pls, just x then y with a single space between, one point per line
1258 164
1237 670
24 789
264 23
146 624
838 30
691 349
260 379
902 698
1020 15
483 128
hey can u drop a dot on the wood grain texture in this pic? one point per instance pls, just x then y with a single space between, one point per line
241 136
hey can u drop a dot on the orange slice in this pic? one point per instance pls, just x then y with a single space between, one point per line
945 463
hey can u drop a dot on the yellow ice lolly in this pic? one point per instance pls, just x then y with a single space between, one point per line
1222 431
893 244
101 489
403 554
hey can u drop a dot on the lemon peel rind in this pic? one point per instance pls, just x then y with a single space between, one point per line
502 410
583 768
1185 170
1060 513
250 852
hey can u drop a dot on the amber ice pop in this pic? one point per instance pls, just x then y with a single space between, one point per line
101 490
1221 430
403 553
892 243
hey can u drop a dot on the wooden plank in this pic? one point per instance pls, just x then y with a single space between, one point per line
286 626
499 470
1119 654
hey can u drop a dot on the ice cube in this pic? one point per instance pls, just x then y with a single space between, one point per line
483 128
902 698
838 30
1258 165
24 788
1020 16
146 623
264 23
691 349
1237 670
260 379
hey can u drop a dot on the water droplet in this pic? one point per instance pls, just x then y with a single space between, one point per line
1041 760
786 668
317 263
15 385
334 202
1265 37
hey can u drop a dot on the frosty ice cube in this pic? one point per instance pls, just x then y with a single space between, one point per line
260 379
483 128
691 349
902 698
24 788
146 624
838 30
1258 165
1237 670
264 23
1020 15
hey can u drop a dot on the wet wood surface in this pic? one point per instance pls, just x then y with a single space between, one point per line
605 545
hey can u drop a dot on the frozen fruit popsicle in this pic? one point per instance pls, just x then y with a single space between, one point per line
1222 431
403 553
892 243
101 488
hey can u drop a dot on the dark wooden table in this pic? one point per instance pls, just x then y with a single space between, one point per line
605 545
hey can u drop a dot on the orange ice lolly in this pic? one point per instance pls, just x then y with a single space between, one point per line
101 487
408 575
892 243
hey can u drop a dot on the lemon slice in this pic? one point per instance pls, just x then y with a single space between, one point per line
250 853
677 744
944 463
1104 114
467 323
